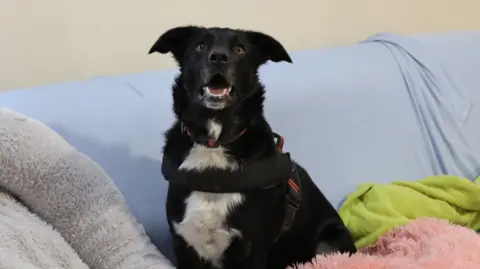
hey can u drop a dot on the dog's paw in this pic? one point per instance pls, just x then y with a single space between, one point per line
324 248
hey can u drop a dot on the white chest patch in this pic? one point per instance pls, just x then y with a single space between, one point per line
203 226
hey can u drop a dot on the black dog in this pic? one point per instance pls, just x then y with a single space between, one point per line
234 199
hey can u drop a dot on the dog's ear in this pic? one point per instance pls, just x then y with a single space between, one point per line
175 41
269 48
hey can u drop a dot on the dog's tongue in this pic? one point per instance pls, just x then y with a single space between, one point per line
217 91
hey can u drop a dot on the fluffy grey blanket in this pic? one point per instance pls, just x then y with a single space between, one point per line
59 209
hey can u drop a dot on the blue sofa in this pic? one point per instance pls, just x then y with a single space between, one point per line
388 108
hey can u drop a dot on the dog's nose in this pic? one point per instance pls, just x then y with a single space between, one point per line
218 57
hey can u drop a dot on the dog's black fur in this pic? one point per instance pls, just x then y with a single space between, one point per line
237 55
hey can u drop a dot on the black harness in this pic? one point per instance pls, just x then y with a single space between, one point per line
263 174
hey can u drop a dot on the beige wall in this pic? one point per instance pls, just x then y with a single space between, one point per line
46 41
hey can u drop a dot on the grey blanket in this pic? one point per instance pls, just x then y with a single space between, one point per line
67 212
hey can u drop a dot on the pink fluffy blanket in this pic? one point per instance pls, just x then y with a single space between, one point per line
425 243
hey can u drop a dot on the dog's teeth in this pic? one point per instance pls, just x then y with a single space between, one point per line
216 92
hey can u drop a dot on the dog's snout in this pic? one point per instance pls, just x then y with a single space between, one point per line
218 57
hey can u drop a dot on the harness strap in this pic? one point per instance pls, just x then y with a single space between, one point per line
263 174
294 193
211 143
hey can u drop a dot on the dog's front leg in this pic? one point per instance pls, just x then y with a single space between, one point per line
255 261
258 261
257 258
245 255
186 256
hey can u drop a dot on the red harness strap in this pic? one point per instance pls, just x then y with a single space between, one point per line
211 143
280 141
294 192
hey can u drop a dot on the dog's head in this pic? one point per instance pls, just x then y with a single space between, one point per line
219 65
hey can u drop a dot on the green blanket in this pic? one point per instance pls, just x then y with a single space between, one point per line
376 208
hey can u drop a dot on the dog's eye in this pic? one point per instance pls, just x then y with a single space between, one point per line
239 49
200 47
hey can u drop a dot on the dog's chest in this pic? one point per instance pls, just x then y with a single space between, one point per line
203 226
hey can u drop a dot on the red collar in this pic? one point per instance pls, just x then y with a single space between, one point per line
211 143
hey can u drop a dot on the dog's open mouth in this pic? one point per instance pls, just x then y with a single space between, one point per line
217 92
217 87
